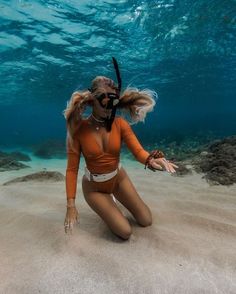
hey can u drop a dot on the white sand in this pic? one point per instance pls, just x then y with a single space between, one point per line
190 247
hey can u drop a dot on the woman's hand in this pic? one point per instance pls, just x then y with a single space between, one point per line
72 217
163 164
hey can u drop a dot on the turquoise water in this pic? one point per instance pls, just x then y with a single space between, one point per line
184 50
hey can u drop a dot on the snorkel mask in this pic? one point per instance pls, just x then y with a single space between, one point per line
110 100
107 100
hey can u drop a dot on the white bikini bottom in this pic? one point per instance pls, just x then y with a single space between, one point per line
100 177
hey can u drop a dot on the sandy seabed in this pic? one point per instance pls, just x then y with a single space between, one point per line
190 247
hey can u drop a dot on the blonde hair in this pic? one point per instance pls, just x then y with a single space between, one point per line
133 102
137 103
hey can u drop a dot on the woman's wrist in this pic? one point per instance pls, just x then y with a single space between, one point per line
153 155
70 202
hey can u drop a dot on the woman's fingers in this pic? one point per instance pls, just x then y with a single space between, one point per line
71 227
173 164
157 166
68 226
71 219
166 164
171 169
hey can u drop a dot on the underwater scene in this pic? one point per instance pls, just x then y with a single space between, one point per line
183 219
182 50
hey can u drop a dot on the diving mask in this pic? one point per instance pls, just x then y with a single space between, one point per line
107 100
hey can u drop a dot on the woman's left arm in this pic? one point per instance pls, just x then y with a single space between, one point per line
132 142
138 151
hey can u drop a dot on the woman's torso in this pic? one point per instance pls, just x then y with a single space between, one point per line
101 149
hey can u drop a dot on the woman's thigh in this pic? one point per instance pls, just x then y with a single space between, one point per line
106 208
126 193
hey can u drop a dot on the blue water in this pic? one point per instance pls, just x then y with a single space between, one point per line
184 50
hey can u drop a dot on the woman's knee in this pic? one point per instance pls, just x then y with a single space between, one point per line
124 232
144 218
145 222
104 206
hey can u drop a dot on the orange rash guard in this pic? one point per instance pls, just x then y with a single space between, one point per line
96 160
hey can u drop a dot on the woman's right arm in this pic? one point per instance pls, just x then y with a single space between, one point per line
73 160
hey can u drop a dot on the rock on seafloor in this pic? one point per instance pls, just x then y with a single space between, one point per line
10 161
218 162
38 176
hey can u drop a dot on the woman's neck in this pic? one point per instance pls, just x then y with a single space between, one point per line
98 120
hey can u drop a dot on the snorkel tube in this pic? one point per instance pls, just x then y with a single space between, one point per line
110 119
117 73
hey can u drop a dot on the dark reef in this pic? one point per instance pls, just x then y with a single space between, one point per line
42 176
10 161
216 158
218 161
50 149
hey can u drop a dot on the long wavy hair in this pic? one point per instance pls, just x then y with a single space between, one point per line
133 102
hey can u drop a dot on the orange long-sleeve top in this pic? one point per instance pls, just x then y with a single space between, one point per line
96 160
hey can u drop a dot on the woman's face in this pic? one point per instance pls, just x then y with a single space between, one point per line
98 110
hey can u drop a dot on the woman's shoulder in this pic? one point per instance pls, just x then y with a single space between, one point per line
80 127
121 120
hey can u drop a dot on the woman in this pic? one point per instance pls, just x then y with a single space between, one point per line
99 138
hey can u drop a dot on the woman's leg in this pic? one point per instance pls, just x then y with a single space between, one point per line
106 208
126 193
